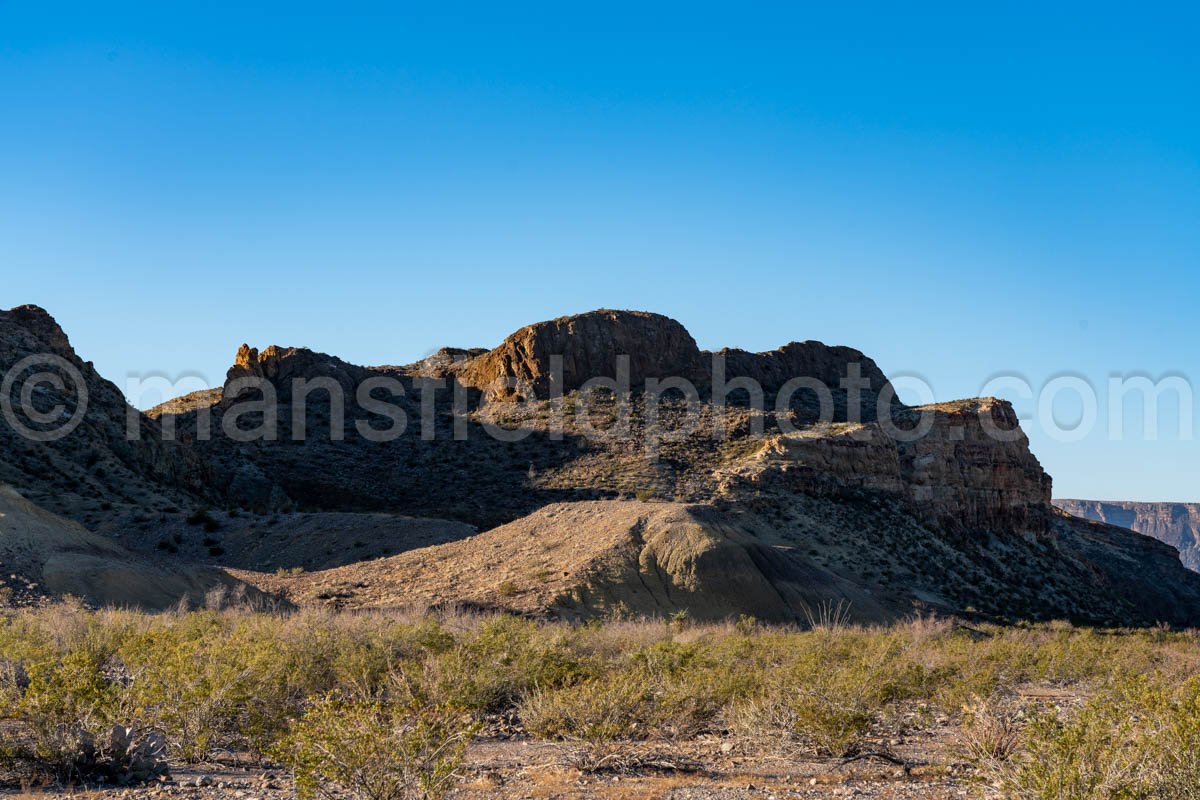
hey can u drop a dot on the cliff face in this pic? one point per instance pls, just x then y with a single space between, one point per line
657 347
958 475
829 365
589 344
1176 524
282 366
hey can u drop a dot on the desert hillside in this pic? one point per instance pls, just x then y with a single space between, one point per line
1177 524
43 554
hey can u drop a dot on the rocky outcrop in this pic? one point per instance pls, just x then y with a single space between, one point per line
185 404
37 323
282 367
590 346
443 362
657 348
972 470
829 365
1176 524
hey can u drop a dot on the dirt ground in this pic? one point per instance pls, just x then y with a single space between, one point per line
708 768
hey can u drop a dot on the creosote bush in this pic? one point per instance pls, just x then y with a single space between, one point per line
223 680
376 750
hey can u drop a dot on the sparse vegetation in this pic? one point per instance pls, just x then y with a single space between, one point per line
204 519
381 706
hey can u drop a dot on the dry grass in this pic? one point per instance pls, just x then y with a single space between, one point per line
990 730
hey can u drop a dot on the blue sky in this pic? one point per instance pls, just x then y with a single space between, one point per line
957 191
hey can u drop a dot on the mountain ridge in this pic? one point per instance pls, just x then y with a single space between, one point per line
823 490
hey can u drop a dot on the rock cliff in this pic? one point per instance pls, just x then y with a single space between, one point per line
829 365
657 347
590 346
282 367
972 470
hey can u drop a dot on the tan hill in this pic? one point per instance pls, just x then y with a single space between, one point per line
587 559
782 552
1177 524
45 555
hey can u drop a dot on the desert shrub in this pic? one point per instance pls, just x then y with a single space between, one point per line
663 689
832 714
826 693
72 709
376 750
203 518
67 701
235 681
210 687
990 730
229 679
690 685
1173 764
504 660
1069 655
1096 753
596 711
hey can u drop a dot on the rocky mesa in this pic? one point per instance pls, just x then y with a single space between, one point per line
791 478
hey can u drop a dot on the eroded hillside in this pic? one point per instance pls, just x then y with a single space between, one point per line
1176 524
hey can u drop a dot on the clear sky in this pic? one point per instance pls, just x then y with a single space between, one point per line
957 190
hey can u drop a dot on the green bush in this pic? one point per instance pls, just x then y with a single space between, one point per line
376 750
492 670
604 710
1093 756
72 708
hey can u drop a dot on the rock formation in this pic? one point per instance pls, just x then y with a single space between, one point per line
590 346
639 503
97 465
282 367
829 365
971 471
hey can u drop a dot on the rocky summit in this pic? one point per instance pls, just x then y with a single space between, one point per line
587 466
